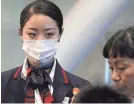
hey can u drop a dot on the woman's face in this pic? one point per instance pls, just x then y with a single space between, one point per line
40 27
122 73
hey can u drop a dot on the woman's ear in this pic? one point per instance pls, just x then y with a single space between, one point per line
62 30
20 32
60 34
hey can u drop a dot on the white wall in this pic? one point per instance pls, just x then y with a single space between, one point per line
95 63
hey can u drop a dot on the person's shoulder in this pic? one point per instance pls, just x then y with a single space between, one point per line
8 72
78 81
7 75
6 78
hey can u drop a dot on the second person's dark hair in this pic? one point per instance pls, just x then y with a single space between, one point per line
101 94
120 44
44 7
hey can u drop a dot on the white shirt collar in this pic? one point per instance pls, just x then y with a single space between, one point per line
25 66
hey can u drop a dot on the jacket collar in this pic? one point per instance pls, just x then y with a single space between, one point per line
60 84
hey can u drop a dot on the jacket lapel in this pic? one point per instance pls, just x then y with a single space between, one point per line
17 87
60 84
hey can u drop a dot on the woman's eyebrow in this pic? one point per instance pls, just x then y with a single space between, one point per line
47 29
33 29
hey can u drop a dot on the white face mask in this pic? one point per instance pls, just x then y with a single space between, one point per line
41 50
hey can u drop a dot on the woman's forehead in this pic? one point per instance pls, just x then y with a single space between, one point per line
120 60
43 20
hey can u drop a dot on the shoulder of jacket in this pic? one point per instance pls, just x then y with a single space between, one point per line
7 75
77 81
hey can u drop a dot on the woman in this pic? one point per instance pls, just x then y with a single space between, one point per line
119 50
40 79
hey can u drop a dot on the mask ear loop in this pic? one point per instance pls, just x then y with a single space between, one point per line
59 38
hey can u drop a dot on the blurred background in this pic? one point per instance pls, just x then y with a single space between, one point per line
91 65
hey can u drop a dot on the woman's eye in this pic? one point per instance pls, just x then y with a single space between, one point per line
32 35
111 69
123 68
50 34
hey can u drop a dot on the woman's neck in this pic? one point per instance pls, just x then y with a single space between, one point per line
35 64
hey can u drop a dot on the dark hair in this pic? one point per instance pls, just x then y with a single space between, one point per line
101 94
121 44
44 7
